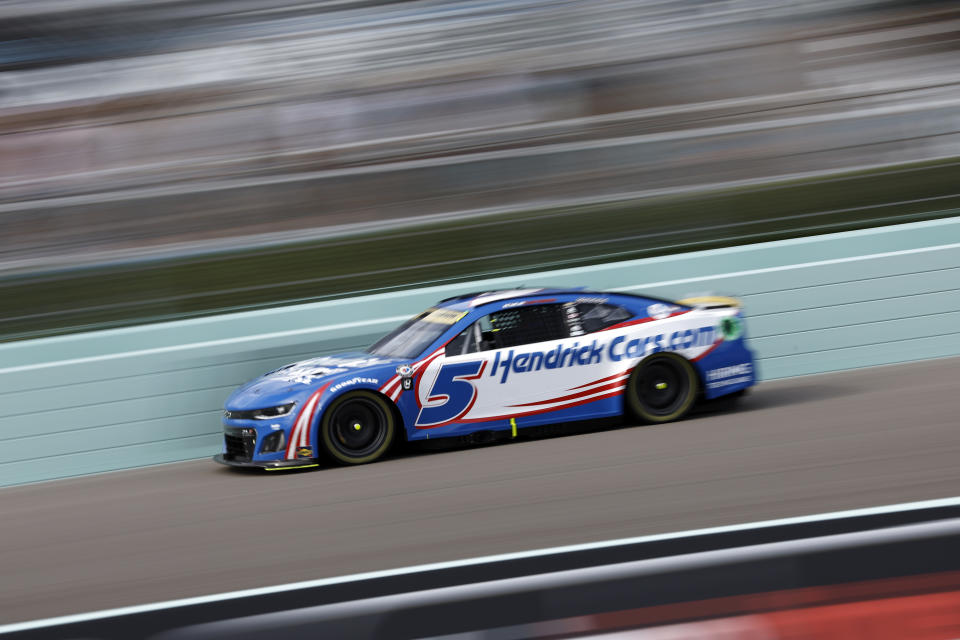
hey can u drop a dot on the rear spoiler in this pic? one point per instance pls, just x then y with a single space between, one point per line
711 302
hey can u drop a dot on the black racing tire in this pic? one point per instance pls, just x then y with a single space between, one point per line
662 388
358 427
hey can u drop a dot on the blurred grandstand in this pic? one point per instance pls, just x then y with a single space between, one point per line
172 128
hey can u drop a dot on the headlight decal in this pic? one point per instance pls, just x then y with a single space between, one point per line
272 412
268 413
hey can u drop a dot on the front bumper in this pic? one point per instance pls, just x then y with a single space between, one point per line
269 465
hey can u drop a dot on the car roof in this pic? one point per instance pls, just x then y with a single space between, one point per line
475 299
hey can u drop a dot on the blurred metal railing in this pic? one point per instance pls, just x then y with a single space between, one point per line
807 567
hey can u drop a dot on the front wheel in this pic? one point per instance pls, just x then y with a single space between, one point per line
662 388
357 428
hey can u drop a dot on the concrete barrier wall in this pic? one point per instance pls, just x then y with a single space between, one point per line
130 397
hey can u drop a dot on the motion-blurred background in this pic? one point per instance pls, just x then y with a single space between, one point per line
167 158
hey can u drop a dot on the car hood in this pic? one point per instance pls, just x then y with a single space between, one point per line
293 382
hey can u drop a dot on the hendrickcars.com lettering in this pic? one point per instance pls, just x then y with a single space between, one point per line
574 355
621 348
582 355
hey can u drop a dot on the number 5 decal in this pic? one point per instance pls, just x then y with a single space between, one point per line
453 388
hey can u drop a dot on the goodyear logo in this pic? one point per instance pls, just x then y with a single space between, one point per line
353 381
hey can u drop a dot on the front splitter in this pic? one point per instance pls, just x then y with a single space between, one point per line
269 465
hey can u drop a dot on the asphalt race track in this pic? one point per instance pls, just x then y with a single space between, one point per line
793 447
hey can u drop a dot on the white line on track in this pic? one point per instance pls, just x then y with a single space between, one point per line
282 588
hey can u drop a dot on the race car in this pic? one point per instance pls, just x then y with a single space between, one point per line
494 362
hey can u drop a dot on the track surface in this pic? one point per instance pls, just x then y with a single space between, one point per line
794 447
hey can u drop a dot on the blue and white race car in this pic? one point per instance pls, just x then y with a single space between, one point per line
496 361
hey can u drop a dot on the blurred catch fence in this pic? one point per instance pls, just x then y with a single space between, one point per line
508 179
257 117
122 398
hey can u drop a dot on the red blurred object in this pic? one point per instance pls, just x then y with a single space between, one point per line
925 607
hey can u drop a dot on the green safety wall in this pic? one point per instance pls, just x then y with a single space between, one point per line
122 398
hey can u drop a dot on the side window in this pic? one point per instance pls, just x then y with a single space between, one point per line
595 316
523 325
510 328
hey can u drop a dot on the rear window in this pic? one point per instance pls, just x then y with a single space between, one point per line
591 316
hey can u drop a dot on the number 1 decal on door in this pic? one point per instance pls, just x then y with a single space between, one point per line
453 387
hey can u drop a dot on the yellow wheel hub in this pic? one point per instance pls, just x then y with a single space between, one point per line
357 427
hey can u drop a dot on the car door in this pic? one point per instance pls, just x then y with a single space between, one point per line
519 360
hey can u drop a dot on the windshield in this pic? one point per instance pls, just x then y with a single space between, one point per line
416 334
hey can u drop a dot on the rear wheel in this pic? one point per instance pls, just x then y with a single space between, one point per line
357 428
662 388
